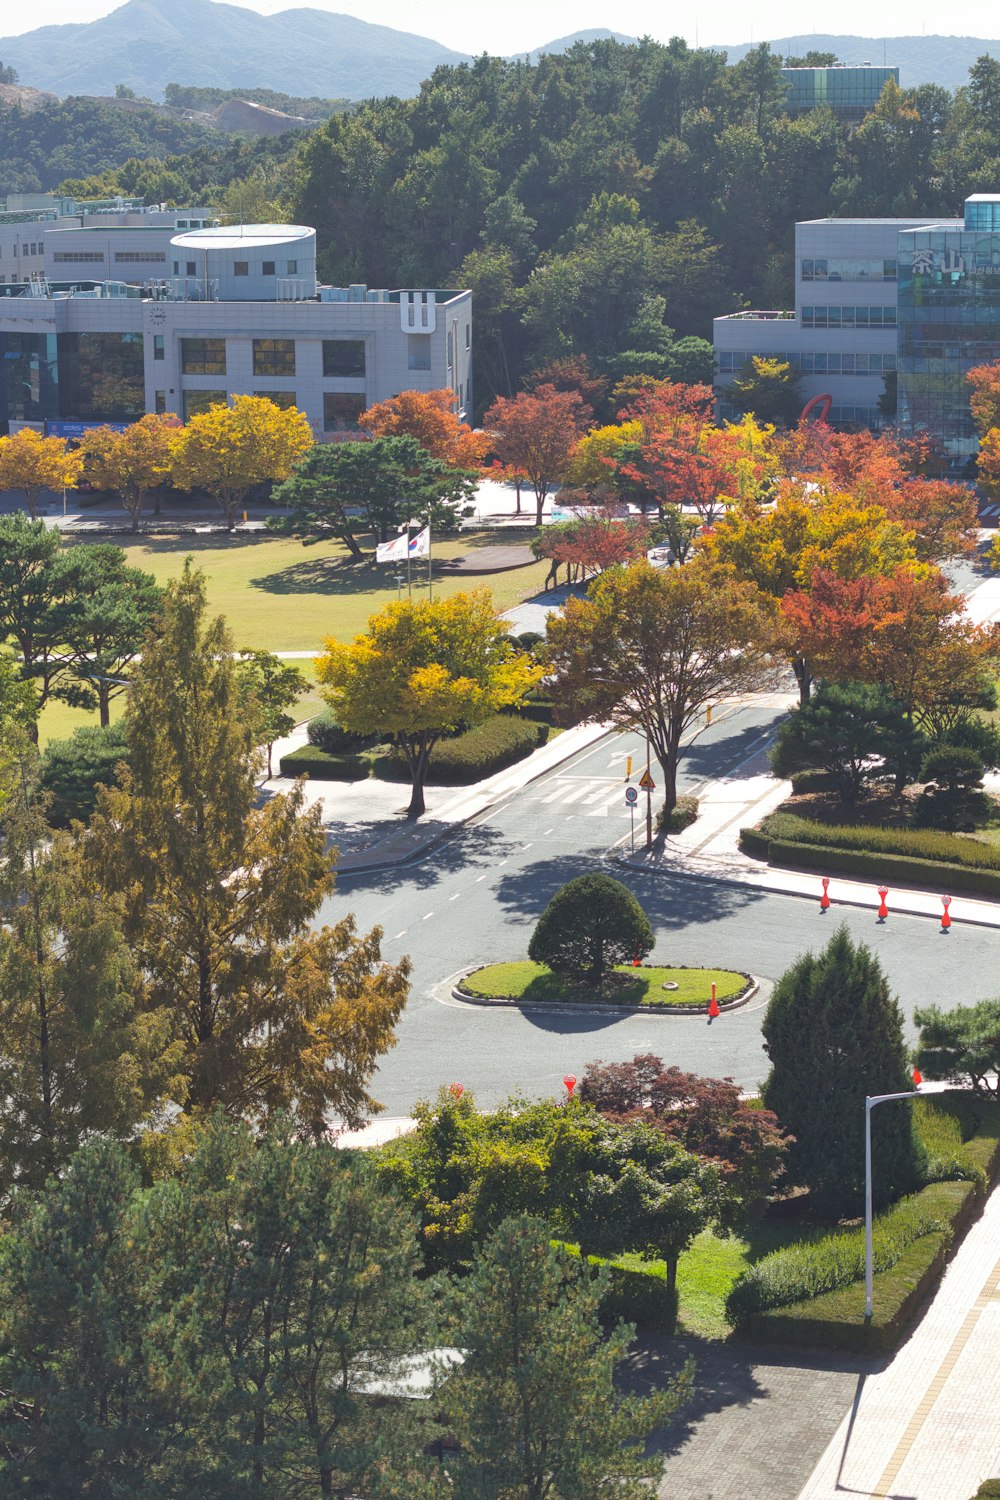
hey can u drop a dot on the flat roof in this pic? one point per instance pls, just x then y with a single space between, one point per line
246 236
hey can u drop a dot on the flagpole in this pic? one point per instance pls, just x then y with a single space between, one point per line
430 580
409 586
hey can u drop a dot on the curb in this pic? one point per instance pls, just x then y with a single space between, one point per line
767 890
505 1002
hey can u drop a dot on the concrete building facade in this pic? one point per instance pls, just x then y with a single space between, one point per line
239 311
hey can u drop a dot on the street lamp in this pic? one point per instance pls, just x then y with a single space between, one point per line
870 1102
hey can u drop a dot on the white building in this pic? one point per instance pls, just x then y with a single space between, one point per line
841 334
227 312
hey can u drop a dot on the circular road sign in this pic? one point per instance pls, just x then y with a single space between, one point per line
631 796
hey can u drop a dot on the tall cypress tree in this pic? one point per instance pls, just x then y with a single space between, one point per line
834 1034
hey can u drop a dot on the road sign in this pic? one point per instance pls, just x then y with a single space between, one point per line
646 782
631 796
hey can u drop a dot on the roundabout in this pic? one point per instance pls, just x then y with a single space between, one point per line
646 988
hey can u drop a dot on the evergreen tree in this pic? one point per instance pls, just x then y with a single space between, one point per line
219 894
534 1406
80 1053
591 924
834 1034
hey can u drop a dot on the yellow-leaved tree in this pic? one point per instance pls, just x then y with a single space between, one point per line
228 449
423 668
132 462
31 464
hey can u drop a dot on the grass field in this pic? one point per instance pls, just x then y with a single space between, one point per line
626 986
280 596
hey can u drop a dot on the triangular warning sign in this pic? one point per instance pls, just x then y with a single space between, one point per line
646 782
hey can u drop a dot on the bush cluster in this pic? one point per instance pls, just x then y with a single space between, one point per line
73 769
804 1271
327 733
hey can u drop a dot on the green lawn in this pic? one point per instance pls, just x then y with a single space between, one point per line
280 596
642 986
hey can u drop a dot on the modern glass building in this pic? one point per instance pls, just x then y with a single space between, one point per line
948 319
851 92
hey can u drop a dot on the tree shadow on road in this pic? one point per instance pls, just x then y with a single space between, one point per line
700 759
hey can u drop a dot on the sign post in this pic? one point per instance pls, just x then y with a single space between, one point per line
631 798
648 785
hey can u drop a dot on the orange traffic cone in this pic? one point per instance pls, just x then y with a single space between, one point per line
824 901
713 1006
918 1078
946 917
883 910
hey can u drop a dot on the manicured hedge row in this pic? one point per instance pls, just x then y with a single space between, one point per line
912 843
488 747
309 760
891 868
806 1271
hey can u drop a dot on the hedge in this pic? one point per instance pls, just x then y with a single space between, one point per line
488 747
803 1271
894 869
835 1319
327 733
988 1490
72 769
308 760
913 843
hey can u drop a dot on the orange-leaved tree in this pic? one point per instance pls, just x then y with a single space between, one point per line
428 416
132 462
32 464
228 449
536 432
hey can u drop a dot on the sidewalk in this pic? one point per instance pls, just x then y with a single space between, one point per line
709 849
927 1427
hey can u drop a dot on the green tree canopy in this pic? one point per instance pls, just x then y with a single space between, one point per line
856 732
961 1044
589 926
834 1034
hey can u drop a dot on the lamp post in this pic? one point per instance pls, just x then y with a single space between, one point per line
870 1102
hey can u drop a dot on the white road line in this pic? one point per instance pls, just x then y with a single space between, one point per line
479 878
526 846
455 897
547 832
398 936
427 917
574 794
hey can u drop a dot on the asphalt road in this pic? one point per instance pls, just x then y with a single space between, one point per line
476 898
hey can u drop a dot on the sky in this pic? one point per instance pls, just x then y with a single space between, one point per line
519 25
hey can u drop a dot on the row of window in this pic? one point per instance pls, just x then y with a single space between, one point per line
76 257
29 248
242 268
342 358
341 409
730 362
849 317
848 268
144 256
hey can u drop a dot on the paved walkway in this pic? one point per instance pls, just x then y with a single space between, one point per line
927 1427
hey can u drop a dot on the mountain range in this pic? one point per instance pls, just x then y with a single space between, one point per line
146 44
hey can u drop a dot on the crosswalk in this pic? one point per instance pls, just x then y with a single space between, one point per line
989 513
580 796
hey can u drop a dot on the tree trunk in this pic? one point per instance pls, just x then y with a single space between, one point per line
418 770
539 506
104 702
671 1263
517 491
803 677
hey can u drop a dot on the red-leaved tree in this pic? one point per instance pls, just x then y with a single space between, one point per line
535 432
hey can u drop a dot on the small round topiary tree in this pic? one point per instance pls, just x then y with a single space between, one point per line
590 925
953 797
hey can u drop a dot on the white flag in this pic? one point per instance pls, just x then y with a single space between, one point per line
420 545
394 551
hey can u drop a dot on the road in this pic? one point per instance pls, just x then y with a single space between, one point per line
476 898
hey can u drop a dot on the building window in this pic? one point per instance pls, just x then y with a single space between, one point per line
78 257
203 356
291 268
241 268
468 335
451 348
196 402
284 399
192 269
160 403
418 351
268 268
144 256
274 356
158 347
177 268
344 358
101 376
341 410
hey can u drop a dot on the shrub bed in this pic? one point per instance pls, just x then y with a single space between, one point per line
327 733
624 985
488 747
681 816
805 1271
913 843
309 760
635 1294
73 768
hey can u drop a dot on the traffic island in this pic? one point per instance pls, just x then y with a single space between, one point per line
652 988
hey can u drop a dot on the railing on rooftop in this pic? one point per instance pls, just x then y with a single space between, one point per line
763 315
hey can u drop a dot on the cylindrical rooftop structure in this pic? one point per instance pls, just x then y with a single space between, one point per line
247 262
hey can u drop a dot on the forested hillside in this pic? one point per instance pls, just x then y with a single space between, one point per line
598 200
40 147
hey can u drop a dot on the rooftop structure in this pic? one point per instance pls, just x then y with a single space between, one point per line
851 92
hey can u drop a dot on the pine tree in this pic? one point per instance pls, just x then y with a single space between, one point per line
534 1406
219 894
834 1034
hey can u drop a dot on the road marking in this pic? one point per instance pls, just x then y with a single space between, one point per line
455 897
428 917
479 878
502 863
398 936
526 846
